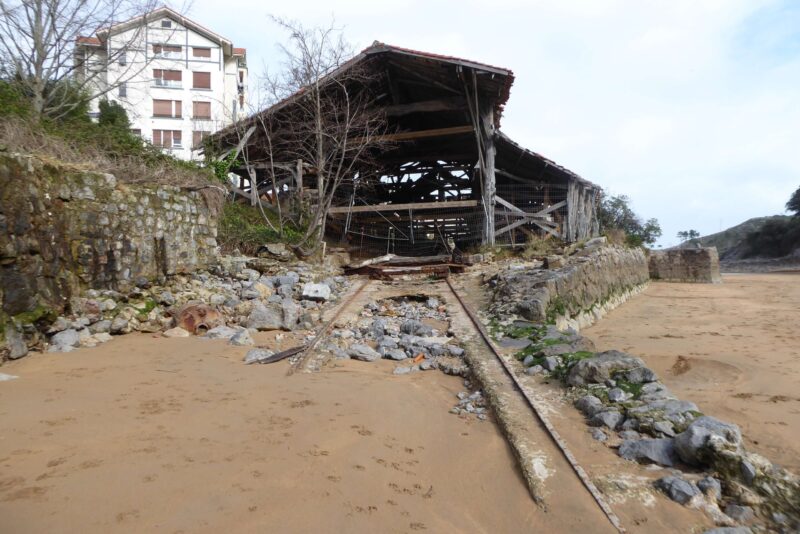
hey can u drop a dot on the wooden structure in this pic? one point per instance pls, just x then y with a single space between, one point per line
448 177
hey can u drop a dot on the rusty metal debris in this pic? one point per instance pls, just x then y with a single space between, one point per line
198 318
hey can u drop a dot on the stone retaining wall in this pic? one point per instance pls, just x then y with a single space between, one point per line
593 281
63 230
685 265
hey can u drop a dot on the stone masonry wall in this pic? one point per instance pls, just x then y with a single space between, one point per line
63 230
685 265
593 281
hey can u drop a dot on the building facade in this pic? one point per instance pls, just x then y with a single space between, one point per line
178 81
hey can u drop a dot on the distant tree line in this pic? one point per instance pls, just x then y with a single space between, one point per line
777 237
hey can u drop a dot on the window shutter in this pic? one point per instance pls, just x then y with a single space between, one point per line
173 75
176 137
202 110
162 108
157 49
157 137
201 52
197 139
178 111
172 48
158 74
201 80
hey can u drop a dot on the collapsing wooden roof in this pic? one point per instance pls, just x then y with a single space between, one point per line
444 116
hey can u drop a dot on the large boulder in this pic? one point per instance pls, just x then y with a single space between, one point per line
656 451
679 490
269 317
706 435
65 341
601 367
15 343
317 292
365 353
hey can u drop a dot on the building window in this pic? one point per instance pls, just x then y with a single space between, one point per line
201 80
167 138
201 110
167 108
197 139
167 78
201 52
123 59
167 51
136 131
166 23
123 90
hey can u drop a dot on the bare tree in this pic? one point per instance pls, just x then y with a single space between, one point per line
38 44
321 112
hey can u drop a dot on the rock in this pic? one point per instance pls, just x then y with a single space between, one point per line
677 489
658 451
103 326
316 292
377 329
729 530
630 435
455 351
432 303
289 279
640 375
665 427
257 356
176 332
242 338
416 328
711 487
553 262
598 434
365 353
741 514
58 325
534 370
15 342
514 343
748 473
269 317
119 326
608 419
617 395
528 360
550 363
667 407
589 405
166 298
693 445
655 391
221 332
395 354
65 341
599 368
426 365
401 370
290 314
4 377
102 337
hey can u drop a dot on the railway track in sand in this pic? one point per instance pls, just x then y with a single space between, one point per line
564 486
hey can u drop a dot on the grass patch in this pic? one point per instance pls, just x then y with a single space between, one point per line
242 227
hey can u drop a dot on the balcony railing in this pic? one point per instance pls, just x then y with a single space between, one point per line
175 84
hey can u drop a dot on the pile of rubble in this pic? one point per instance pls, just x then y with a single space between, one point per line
414 330
239 297
629 409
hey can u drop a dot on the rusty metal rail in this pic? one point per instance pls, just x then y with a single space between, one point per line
325 329
552 432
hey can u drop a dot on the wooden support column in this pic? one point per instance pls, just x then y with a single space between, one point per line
489 182
299 177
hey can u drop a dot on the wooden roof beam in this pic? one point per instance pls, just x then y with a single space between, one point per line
426 106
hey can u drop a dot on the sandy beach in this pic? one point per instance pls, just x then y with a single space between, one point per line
732 348
177 435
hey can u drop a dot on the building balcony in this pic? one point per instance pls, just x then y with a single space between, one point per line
168 84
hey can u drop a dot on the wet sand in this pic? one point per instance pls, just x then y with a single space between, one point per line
149 434
732 348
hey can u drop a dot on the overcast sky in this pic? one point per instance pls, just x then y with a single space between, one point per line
691 108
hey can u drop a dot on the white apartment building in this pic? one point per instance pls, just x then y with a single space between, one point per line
177 80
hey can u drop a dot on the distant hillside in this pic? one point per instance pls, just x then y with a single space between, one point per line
731 243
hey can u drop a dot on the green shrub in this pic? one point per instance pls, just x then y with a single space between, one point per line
242 227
